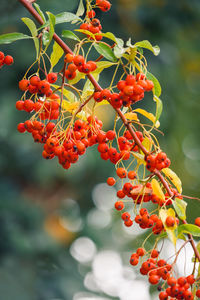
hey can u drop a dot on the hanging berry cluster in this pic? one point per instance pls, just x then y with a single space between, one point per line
61 114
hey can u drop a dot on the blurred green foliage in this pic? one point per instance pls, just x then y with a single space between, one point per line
34 259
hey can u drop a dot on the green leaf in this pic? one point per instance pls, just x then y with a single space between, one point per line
147 45
106 51
81 9
159 107
157 88
56 54
40 12
70 35
189 228
180 208
52 20
33 29
12 37
64 17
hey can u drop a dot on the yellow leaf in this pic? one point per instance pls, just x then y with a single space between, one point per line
174 178
147 143
171 231
70 107
131 116
157 189
148 115
56 54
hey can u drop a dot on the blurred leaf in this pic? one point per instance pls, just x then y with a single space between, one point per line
40 12
33 29
70 35
180 208
12 37
56 54
106 51
174 178
157 189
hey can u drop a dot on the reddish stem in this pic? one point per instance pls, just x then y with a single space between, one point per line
62 44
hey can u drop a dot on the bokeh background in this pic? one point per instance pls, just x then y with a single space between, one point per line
59 236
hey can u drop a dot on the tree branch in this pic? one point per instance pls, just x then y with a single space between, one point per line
97 87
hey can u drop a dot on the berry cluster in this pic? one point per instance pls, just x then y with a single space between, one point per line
158 271
77 62
5 60
37 86
93 25
125 146
158 161
131 90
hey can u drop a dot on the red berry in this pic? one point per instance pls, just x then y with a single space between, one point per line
69 58
24 84
170 221
121 172
111 181
52 77
8 60
197 221
119 205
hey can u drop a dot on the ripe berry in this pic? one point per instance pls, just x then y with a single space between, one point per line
198 293
8 60
70 75
128 223
78 60
21 128
110 134
132 175
69 58
140 252
24 84
121 172
72 68
170 221
111 181
125 216
52 77
119 205
197 221
34 80
91 14
20 105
